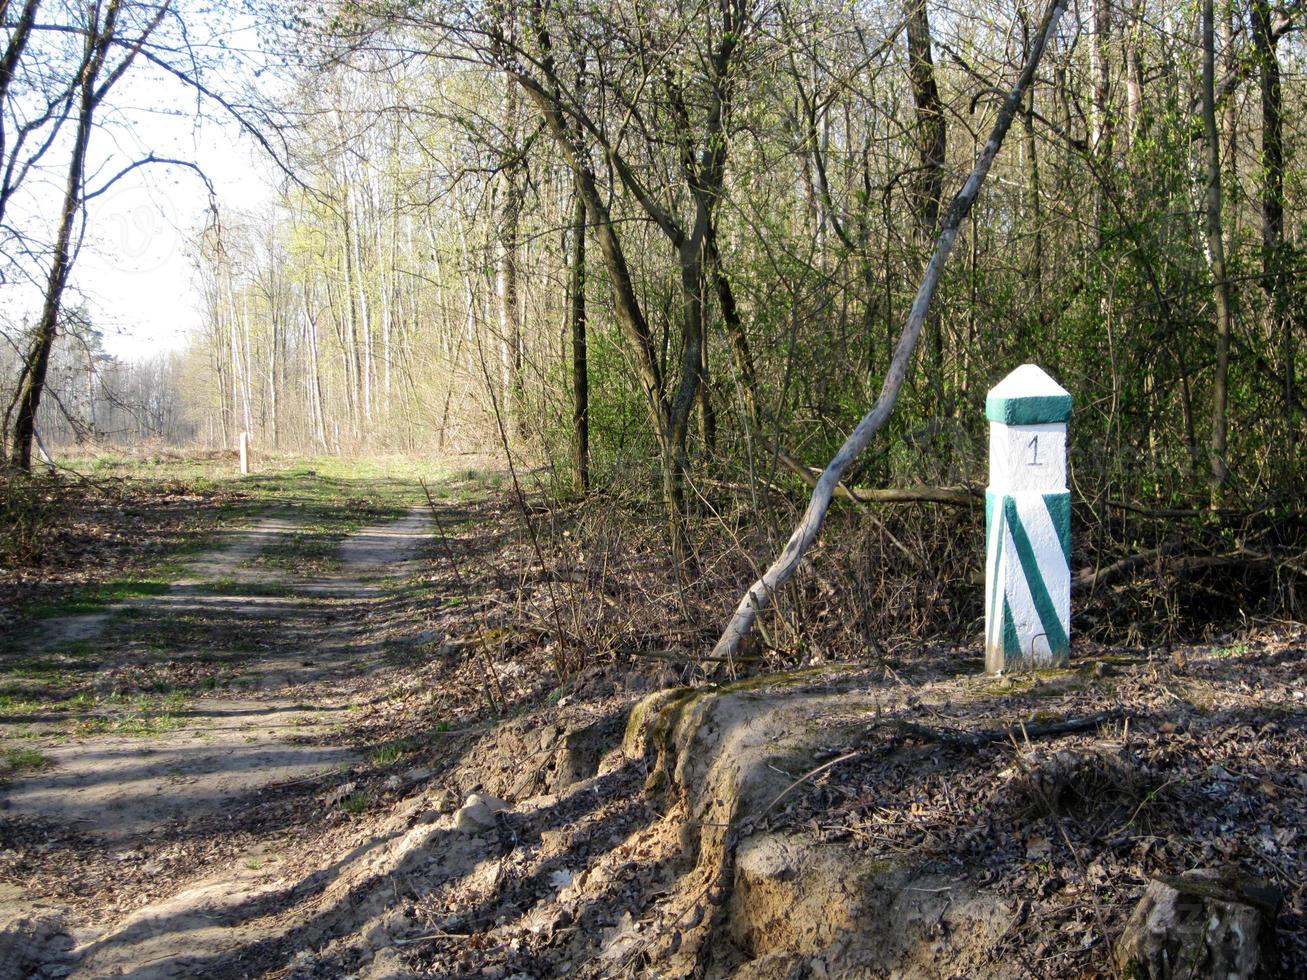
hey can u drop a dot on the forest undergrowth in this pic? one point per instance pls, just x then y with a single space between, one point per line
889 578
597 578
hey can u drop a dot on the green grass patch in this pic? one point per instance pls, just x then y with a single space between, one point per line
355 803
325 483
13 761
392 752
307 549
230 586
138 716
18 707
92 599
81 701
144 725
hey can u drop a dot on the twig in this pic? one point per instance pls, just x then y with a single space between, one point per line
430 936
801 780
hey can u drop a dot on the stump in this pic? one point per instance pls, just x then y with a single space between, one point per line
1206 923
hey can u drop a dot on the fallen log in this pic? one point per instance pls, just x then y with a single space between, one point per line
949 496
984 736
1089 578
962 496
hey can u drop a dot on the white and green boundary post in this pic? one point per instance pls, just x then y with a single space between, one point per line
1027 524
245 454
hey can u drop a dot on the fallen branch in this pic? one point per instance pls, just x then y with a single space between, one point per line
1171 513
1232 559
809 475
783 568
984 736
860 496
806 475
1090 578
685 658
1294 565
949 496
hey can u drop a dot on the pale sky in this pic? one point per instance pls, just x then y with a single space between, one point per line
134 270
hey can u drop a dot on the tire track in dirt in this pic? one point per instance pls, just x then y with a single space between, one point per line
299 637
232 560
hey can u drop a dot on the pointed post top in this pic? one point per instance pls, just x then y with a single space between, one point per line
1028 396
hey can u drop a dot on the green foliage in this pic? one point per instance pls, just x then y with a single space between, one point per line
354 803
392 752
15 761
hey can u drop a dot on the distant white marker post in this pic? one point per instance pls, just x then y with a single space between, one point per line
1027 525
245 454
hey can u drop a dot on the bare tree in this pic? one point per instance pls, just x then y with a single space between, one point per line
1216 259
580 349
96 74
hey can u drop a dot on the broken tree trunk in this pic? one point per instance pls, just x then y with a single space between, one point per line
781 570
1208 922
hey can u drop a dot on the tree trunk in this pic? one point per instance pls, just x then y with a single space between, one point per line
580 371
741 355
687 392
507 257
1216 262
707 411
1101 126
31 383
1134 71
626 304
928 182
1274 257
1036 267
315 375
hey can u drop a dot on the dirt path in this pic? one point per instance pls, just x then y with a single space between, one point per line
272 648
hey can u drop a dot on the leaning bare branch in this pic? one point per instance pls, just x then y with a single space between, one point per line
759 594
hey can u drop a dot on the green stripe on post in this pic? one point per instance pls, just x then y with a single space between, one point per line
1031 410
1053 632
1011 642
1058 506
994 529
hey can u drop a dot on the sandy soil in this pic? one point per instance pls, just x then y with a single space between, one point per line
225 747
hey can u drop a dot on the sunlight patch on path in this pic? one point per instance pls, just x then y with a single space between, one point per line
224 749
229 560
